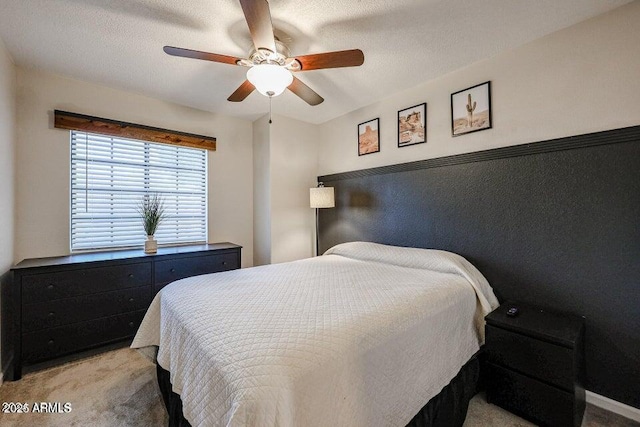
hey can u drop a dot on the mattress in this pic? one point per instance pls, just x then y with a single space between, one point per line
364 335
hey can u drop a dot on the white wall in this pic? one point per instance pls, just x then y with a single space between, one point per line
7 164
285 167
7 147
583 79
261 192
42 178
294 167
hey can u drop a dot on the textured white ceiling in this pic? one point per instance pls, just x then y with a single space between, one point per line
118 43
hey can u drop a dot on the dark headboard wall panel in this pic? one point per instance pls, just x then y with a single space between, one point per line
556 223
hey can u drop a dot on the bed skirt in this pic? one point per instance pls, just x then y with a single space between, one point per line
446 409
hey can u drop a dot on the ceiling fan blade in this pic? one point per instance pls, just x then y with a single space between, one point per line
341 58
242 92
305 92
196 54
258 17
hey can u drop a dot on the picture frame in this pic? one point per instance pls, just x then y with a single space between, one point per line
412 125
369 137
471 109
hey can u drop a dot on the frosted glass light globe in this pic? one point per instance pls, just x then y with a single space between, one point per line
269 79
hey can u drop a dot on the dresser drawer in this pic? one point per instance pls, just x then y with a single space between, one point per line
60 312
531 356
49 343
179 268
65 284
532 399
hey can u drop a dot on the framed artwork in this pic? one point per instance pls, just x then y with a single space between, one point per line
369 137
412 125
471 109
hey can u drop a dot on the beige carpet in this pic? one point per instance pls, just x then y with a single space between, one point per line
119 388
483 414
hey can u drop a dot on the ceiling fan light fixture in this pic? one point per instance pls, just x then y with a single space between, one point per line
269 79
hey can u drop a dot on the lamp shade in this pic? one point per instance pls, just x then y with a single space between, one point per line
322 197
269 79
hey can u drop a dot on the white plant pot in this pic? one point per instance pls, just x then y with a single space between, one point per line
150 245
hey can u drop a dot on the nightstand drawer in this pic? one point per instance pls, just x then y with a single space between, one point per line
531 399
553 363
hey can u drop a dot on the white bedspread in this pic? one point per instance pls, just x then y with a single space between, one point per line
362 336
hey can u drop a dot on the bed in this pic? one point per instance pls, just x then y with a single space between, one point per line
365 335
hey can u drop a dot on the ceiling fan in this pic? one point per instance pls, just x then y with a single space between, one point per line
269 63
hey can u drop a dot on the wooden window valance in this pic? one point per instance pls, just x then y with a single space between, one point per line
81 122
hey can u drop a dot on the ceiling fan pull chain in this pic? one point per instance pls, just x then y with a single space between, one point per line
270 98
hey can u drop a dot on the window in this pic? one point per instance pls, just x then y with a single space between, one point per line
110 177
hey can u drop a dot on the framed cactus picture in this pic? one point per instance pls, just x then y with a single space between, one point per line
471 109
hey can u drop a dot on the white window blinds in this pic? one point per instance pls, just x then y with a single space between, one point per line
111 175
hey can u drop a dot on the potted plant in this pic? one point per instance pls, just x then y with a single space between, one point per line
152 212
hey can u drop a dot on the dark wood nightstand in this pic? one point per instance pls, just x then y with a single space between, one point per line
535 364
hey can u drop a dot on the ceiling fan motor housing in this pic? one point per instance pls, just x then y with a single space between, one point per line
265 56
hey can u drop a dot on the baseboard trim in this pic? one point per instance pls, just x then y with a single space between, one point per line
613 406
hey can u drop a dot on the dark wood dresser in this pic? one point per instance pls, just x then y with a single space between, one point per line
535 364
63 305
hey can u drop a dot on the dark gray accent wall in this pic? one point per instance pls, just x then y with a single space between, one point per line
555 223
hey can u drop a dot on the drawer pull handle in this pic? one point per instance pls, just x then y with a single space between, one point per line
50 342
173 270
224 262
132 299
131 324
130 275
51 286
52 313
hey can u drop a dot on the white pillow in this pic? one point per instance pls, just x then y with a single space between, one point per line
426 259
